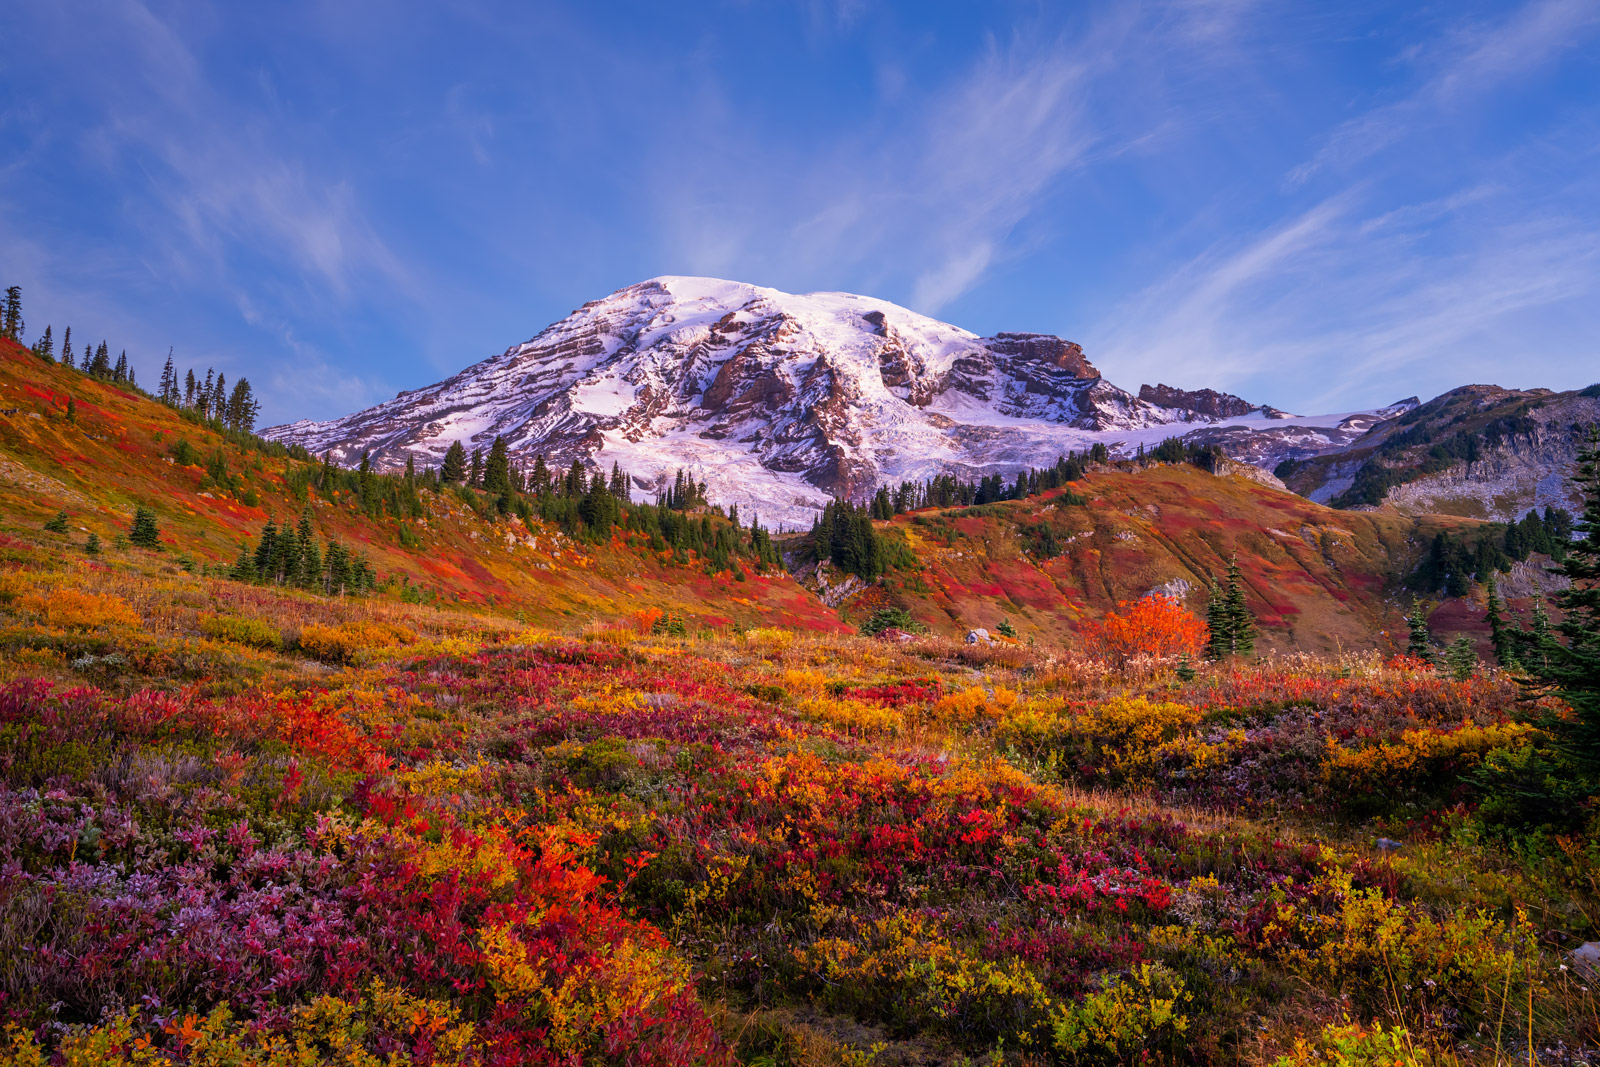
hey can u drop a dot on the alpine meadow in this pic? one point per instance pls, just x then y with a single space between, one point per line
755 672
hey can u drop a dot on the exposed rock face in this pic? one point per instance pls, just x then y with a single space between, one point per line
1523 448
1207 402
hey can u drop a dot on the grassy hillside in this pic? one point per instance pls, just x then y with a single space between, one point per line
1317 579
116 452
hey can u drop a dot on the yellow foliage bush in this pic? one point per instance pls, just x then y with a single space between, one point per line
241 630
346 643
1417 754
1121 739
72 609
906 958
1350 1045
1361 941
1140 1011
853 715
328 1032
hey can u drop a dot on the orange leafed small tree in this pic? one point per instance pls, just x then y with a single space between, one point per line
1156 625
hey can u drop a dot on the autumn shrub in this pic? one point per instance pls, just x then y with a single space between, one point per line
72 609
386 1026
242 630
1349 1044
974 704
1133 1013
1156 625
347 642
854 715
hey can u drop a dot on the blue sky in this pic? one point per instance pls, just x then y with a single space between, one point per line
1322 206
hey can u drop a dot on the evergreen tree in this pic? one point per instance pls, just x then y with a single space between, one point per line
265 548
169 382
244 569
144 531
411 471
1500 639
242 407
45 346
1219 628
455 463
190 388
619 484
119 373
539 481
66 348
11 325
1462 658
72 410
92 546
339 570
57 524
217 406
475 469
100 366
1572 666
497 468
1241 623
1420 643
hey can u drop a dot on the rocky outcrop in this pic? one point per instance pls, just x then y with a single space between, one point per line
1207 402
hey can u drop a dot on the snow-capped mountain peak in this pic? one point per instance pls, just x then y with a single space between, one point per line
778 401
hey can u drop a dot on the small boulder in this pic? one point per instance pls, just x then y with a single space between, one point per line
978 636
1388 844
1586 959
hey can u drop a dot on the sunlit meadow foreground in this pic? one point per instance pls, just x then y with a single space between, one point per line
430 838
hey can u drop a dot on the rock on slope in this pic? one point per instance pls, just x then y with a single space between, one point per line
780 401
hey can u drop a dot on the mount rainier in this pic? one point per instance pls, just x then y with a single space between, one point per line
779 401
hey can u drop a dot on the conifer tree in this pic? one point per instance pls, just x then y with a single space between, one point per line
1219 630
217 407
72 410
1241 625
540 479
92 546
455 463
475 469
497 469
144 531
1500 638
11 324
190 387
57 524
169 382
1420 643
66 348
242 407
411 471
265 548
619 483
119 373
1572 666
244 569
100 367
45 346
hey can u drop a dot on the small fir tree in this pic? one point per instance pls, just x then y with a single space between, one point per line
144 532
66 348
454 468
45 346
1241 623
1420 643
92 546
1461 657
57 524
1219 638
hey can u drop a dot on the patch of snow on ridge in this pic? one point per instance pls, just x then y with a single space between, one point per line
608 394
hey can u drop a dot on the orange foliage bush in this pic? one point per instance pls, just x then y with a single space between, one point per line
70 609
1156 625
344 643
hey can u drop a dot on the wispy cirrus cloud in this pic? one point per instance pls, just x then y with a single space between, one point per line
1459 69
